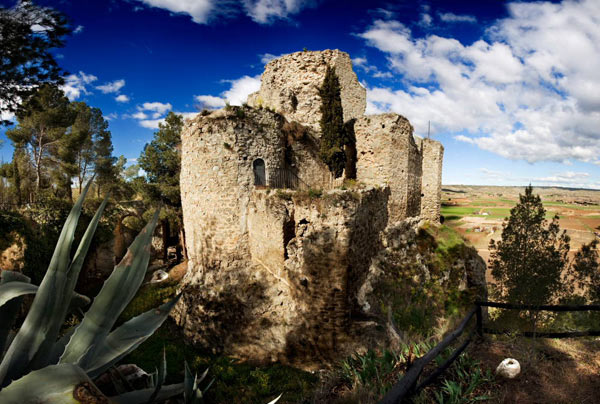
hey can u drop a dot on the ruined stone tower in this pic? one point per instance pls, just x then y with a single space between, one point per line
277 249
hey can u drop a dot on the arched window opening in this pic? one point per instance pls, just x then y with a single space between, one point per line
258 166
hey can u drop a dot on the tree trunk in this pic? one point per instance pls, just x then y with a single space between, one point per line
165 237
182 242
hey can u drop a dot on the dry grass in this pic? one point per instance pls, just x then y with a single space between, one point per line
552 370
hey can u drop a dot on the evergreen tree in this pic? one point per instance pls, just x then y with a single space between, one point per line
333 137
27 33
586 271
104 161
42 125
527 264
161 161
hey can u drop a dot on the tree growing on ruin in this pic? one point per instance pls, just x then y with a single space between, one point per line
528 262
27 33
333 135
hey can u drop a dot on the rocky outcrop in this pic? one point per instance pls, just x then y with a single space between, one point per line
290 85
12 258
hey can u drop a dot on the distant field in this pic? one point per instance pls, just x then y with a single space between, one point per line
477 213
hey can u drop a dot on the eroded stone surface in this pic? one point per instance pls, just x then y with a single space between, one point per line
290 275
290 85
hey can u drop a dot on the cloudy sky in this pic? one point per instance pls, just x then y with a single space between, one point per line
512 90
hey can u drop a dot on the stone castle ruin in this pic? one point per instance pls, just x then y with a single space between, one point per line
279 250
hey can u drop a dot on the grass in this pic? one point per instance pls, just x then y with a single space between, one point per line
235 382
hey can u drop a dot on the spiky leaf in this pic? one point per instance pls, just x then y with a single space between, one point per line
142 396
65 383
8 312
116 293
128 337
160 377
43 317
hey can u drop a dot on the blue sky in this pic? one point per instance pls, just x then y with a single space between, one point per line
512 90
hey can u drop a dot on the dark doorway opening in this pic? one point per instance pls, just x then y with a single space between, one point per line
260 178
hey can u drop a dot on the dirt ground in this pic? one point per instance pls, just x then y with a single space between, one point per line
553 371
477 212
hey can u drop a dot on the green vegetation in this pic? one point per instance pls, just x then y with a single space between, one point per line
93 346
27 62
463 383
161 160
528 262
333 134
233 381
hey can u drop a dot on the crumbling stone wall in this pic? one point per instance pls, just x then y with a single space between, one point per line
290 85
300 311
387 154
217 177
431 181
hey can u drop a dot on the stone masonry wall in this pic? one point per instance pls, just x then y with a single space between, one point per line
290 85
387 154
217 178
431 181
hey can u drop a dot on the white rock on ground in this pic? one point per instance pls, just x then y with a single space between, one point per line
508 368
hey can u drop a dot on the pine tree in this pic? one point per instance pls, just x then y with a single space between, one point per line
42 125
26 61
333 138
527 264
161 161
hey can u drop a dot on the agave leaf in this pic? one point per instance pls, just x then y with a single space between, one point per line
65 383
116 293
43 317
128 337
142 396
59 346
160 377
42 356
189 382
8 312
277 399
9 291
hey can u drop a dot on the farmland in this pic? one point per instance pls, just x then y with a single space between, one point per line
477 212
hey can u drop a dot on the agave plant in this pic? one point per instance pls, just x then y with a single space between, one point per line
40 365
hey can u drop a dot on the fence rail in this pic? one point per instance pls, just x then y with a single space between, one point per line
408 385
286 178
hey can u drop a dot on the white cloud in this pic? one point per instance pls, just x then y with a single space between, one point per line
76 84
140 115
236 95
122 98
363 64
157 107
150 114
210 101
112 87
78 29
151 123
199 10
241 88
531 91
266 11
267 57
451 17
569 179
111 117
